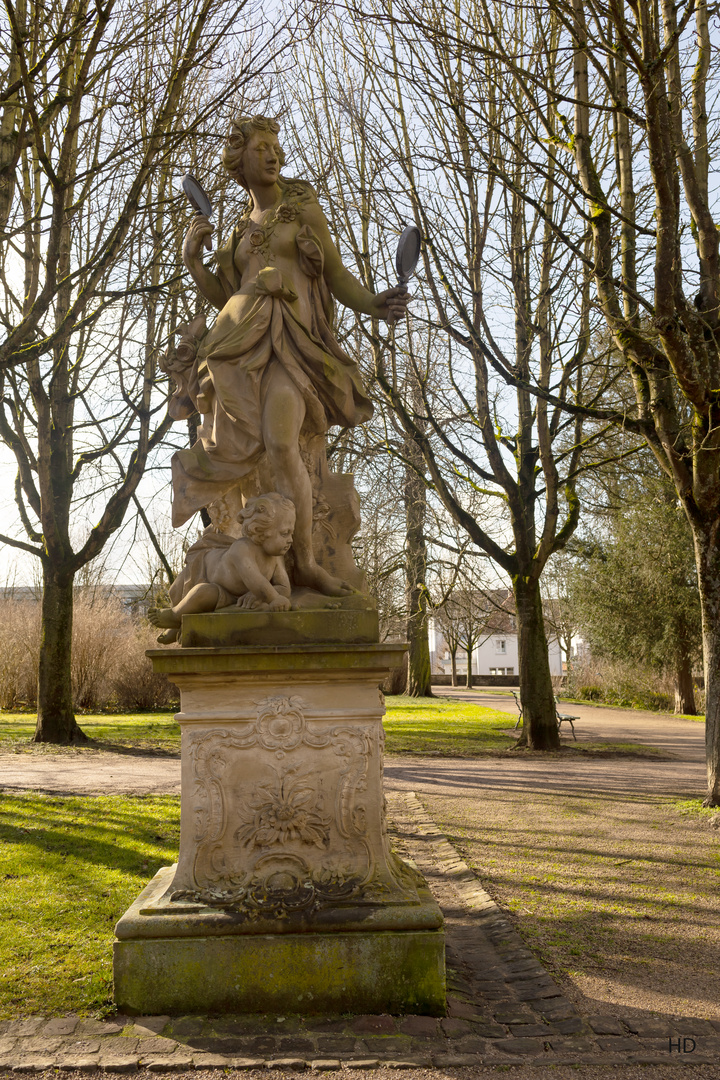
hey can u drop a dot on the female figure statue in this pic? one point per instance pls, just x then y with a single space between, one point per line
270 371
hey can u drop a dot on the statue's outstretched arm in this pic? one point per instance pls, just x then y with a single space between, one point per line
344 286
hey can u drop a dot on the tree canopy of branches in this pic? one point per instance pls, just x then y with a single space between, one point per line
613 104
102 105
404 129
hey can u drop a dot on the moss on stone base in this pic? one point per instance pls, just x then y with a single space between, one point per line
384 972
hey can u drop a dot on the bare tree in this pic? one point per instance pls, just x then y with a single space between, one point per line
98 102
618 101
412 134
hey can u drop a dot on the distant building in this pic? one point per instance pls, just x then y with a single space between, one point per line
497 650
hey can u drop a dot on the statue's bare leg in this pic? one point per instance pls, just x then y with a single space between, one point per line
282 420
202 597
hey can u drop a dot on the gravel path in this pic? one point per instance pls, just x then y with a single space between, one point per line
97 772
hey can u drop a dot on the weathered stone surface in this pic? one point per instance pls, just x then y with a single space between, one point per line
81 1046
33 1064
606 1025
529 1031
61 1025
383 1046
553 1009
456 1061
325 1064
462 1010
294 1064
419 1027
284 972
146 1026
569 1027
157 1045
98 1027
513 1014
247 1063
488 1030
356 625
41 1044
540 988
454 1028
648 1028
521 1046
296 1045
296 728
336 1044
378 1025
616 1044
363 1063
30 1026
168 1062
77 1063
125 1063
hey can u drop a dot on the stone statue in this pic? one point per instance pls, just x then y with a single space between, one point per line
248 573
269 377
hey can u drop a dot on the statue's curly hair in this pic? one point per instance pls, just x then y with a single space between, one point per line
241 129
259 513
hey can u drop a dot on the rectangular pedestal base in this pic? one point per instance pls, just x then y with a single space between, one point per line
364 972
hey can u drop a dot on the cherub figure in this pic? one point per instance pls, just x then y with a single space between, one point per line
220 571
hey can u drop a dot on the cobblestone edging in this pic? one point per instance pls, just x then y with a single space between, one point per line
503 1009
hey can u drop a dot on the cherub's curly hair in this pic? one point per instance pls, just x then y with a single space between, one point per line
240 131
260 513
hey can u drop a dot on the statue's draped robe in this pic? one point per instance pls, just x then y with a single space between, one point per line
259 327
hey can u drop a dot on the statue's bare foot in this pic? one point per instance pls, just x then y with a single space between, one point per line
164 617
168 636
314 577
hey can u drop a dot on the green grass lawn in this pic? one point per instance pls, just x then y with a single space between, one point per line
413 726
70 867
440 727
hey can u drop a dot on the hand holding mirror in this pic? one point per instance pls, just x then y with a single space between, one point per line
407 254
199 201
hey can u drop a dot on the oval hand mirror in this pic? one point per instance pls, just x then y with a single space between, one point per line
198 200
408 253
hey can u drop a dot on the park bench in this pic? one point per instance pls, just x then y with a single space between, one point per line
562 718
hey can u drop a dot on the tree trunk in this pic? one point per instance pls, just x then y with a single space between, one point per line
707 555
684 690
540 730
419 670
468 681
56 716
453 666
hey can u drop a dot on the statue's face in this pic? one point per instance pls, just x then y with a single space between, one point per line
261 159
277 540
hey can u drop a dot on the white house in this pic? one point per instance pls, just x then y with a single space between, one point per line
496 652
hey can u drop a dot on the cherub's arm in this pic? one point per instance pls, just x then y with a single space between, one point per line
280 579
389 304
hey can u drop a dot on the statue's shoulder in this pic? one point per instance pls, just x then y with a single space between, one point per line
297 191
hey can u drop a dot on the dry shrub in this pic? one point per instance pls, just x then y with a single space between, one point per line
109 666
19 649
135 684
627 684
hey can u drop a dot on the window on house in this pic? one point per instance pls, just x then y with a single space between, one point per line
510 671
447 655
500 645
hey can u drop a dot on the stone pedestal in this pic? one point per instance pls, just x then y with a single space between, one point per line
286 895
